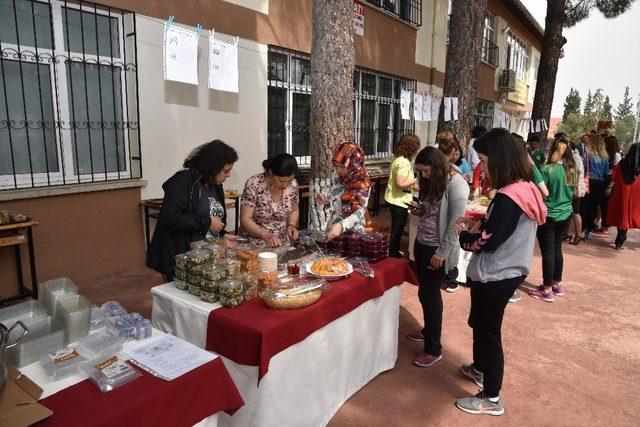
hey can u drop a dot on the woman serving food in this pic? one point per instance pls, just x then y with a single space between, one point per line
269 207
350 194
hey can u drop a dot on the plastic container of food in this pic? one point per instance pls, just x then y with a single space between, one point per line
198 270
231 288
181 275
231 302
247 252
100 343
183 286
181 261
266 279
113 309
193 280
143 325
46 338
200 244
375 241
218 251
297 293
198 257
54 291
110 372
63 363
74 314
210 297
214 272
233 266
97 319
194 290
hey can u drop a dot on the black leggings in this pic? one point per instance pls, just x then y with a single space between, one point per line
430 297
621 237
488 301
398 220
550 236
596 199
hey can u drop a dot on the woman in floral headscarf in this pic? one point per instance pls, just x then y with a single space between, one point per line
350 195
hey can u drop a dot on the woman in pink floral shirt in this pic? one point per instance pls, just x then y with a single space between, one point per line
269 206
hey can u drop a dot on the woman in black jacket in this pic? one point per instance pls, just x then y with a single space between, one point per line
193 205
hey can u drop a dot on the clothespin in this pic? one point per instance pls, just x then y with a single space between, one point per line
198 28
212 33
169 22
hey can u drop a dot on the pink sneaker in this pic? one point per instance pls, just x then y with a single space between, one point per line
425 359
541 294
415 336
558 290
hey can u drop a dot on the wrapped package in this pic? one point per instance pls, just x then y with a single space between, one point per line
214 272
181 275
231 302
200 244
113 309
109 373
183 286
63 363
181 261
210 297
297 293
233 266
231 288
361 265
194 290
198 257
99 344
218 251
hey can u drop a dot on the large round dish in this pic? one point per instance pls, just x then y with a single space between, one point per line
308 266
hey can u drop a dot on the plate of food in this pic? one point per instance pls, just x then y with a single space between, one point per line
330 268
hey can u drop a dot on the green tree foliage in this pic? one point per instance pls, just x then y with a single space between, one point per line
625 108
588 105
605 113
575 125
577 10
598 101
624 130
572 103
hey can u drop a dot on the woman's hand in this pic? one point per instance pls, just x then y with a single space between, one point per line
322 199
216 225
292 232
476 193
272 240
231 240
414 208
334 231
467 224
436 262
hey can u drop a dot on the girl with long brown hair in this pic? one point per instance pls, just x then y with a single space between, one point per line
561 177
598 161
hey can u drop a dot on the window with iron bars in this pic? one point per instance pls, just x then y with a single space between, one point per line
376 107
68 94
407 10
484 113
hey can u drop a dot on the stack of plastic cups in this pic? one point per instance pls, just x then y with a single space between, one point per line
74 314
54 291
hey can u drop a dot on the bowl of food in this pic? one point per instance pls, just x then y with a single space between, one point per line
332 268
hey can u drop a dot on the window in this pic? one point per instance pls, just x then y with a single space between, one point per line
489 51
517 56
536 65
407 10
484 113
376 107
68 104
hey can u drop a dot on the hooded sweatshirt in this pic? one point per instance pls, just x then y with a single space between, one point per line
503 247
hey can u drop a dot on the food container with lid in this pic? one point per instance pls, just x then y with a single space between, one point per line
181 261
218 251
198 257
113 309
74 314
97 318
109 372
233 266
194 290
200 244
181 275
375 241
179 284
100 343
194 280
232 287
210 297
53 291
209 285
214 272
231 302
63 363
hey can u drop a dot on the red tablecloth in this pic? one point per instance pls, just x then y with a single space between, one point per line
252 333
148 400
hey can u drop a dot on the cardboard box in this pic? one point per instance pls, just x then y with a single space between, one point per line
19 401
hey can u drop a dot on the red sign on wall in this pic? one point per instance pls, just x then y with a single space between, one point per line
358 18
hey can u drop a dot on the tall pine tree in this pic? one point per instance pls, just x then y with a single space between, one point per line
598 101
605 113
625 108
572 103
588 105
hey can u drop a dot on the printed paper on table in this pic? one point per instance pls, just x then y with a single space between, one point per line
223 65
180 55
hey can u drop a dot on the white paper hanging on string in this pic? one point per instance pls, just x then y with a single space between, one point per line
405 104
532 128
544 124
180 55
537 125
435 107
417 107
447 109
223 65
454 107
426 107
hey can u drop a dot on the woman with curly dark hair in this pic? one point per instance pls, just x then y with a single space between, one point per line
193 206
399 189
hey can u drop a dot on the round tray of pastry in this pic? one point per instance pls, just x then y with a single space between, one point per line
330 268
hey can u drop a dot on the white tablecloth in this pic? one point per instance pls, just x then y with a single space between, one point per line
309 381
36 374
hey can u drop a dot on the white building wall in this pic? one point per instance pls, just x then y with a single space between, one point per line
176 117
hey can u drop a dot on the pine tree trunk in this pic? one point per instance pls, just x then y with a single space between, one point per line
549 58
463 59
331 121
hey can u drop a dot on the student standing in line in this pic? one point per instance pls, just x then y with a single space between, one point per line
598 161
399 191
443 198
624 212
562 180
503 248
612 146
